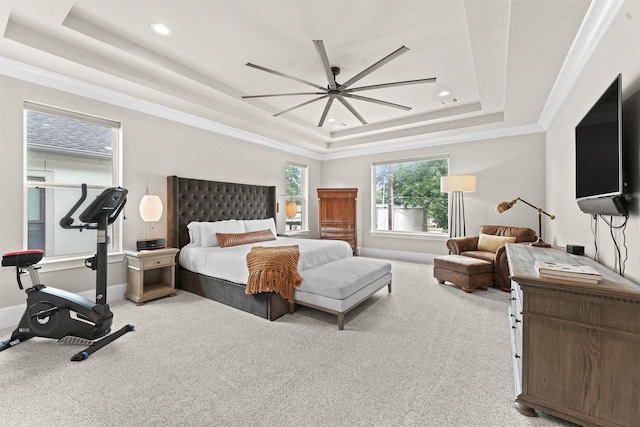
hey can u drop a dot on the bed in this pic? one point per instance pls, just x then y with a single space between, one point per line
200 201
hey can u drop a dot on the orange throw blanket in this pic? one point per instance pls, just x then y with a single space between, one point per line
273 269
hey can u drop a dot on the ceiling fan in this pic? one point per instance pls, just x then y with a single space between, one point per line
339 91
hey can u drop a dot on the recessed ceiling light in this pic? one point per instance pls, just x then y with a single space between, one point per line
161 29
444 93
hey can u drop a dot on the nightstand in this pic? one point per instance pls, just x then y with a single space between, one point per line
150 274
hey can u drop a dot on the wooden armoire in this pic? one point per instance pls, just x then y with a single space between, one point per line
337 215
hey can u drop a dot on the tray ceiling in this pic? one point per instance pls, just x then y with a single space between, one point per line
498 60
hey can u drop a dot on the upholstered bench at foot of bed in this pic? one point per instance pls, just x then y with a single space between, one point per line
341 285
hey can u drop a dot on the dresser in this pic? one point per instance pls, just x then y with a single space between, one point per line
337 215
575 346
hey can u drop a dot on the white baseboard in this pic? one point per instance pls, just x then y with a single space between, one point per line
10 316
399 255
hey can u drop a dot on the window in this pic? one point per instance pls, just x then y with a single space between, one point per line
408 197
295 205
64 150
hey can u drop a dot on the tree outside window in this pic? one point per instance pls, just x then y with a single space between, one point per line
295 176
408 197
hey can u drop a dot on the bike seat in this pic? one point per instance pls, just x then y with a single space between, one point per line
22 259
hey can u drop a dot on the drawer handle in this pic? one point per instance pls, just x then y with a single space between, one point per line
518 320
517 356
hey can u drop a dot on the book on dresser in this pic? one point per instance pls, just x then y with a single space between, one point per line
565 271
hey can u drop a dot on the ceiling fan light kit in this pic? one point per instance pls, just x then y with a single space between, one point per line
335 90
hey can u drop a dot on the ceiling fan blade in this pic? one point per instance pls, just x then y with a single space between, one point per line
377 101
300 105
375 66
281 94
385 85
286 76
322 53
325 112
353 110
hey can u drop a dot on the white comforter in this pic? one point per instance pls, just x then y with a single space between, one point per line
231 264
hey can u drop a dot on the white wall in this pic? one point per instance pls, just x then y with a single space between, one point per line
505 168
618 52
153 148
535 167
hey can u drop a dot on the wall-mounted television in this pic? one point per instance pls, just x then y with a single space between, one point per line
599 175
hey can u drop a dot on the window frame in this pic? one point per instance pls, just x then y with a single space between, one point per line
302 198
419 235
116 232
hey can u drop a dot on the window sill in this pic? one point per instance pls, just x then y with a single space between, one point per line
294 233
67 263
409 235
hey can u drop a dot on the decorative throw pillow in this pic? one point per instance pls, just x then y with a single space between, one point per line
491 243
235 239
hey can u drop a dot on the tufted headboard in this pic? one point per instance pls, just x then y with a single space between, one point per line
199 200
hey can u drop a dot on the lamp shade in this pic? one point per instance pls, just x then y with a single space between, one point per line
453 183
505 206
150 208
291 209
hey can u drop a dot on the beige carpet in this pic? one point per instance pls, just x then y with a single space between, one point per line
424 355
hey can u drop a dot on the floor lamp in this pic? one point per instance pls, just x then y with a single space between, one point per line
457 185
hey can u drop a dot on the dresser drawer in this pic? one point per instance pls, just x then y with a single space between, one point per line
337 234
516 354
339 194
337 226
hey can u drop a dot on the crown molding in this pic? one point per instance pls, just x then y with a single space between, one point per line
598 19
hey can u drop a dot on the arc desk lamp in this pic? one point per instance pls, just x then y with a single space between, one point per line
505 206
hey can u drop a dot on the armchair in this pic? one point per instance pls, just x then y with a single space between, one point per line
492 249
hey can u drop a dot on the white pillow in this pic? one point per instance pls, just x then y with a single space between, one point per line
194 233
204 233
260 224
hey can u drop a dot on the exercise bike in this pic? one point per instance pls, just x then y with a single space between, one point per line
62 315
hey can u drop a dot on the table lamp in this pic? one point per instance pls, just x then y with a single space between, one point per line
150 211
504 206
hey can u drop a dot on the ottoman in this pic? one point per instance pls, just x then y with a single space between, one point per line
339 286
470 273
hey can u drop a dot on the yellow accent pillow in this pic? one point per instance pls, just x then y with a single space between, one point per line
491 243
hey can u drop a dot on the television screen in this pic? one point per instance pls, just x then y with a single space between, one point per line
599 147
